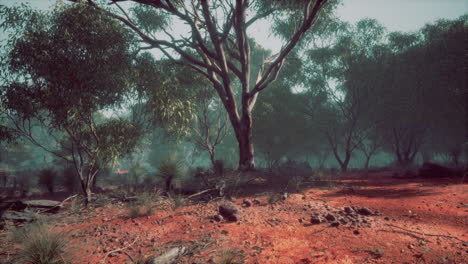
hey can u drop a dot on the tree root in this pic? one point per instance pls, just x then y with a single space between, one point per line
121 250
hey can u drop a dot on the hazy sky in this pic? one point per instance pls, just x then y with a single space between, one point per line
395 15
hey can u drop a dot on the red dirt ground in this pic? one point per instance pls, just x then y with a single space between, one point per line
422 221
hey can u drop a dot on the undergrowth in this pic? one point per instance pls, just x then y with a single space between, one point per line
39 244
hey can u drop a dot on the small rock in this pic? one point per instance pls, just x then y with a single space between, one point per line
256 202
247 203
301 220
229 211
348 210
356 232
284 196
344 221
364 211
218 218
335 224
315 220
387 218
330 217
410 246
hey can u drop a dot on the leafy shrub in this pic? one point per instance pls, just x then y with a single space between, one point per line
135 210
47 178
40 245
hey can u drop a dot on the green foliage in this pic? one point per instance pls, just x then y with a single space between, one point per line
150 20
168 91
48 178
40 245
95 75
63 72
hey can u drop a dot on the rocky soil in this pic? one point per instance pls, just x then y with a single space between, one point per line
377 219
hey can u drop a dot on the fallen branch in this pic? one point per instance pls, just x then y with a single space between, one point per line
423 234
59 205
202 192
120 249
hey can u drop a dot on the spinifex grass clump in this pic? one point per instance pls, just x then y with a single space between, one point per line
168 171
39 244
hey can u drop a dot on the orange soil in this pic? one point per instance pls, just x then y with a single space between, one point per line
435 210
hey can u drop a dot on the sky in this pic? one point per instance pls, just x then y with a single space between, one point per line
394 15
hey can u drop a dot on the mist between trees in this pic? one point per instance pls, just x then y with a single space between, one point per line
336 95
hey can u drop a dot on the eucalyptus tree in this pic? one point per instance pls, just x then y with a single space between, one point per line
61 71
216 45
424 91
343 73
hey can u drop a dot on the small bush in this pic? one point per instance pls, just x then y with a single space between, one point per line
47 178
178 200
40 245
135 210
168 171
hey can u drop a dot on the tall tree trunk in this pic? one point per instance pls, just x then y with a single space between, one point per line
366 164
246 148
344 164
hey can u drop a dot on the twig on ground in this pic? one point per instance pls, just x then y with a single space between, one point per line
424 234
120 249
58 205
202 192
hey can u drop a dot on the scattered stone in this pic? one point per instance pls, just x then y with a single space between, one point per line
387 218
284 196
301 220
335 224
330 217
364 211
218 218
247 203
229 211
356 232
256 202
410 246
348 210
344 221
315 220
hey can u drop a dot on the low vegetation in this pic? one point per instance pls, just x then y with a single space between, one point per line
39 244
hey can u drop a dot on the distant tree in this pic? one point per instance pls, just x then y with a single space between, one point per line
217 46
342 72
423 103
210 125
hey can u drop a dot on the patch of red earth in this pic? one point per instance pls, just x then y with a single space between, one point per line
427 223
